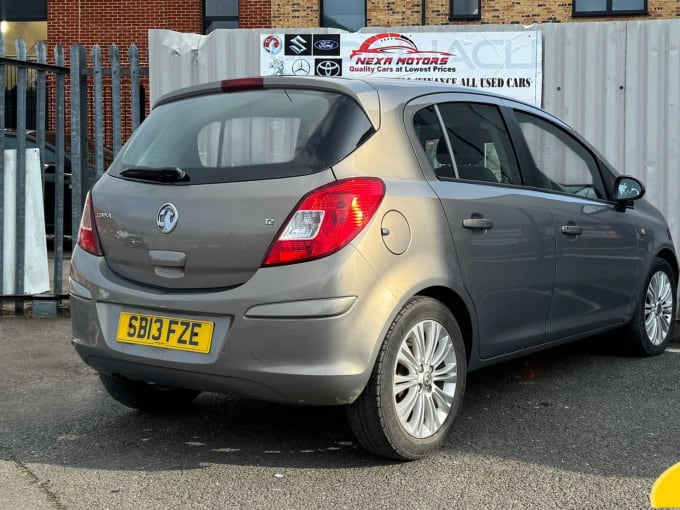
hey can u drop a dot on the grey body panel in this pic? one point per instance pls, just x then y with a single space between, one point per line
509 269
290 356
222 235
597 271
309 333
274 356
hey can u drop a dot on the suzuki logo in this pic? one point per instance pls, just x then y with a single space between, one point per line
297 45
167 218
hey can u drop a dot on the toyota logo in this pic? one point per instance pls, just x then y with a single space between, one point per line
301 67
167 218
328 68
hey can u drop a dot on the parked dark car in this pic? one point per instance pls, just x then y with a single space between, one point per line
50 159
357 242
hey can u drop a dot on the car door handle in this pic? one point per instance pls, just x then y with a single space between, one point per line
571 230
477 223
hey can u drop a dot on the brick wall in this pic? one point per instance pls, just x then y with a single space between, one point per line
119 22
123 22
294 13
305 13
255 13
383 14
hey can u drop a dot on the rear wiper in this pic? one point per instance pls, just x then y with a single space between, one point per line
162 174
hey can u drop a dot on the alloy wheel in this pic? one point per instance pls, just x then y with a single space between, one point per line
658 307
425 379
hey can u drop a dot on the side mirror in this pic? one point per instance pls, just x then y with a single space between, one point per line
627 189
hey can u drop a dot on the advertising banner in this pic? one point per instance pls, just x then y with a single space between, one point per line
508 63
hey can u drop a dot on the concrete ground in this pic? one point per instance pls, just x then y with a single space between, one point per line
574 427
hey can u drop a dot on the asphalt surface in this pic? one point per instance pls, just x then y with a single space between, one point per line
574 427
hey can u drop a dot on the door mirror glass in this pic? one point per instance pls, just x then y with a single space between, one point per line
627 188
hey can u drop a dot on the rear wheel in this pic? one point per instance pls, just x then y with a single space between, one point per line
649 333
145 396
417 385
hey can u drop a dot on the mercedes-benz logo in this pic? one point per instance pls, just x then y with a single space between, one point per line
301 67
167 218
327 68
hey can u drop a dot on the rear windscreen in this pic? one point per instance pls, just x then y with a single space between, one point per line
250 135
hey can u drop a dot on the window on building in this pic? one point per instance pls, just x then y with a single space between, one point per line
30 31
466 9
14 10
609 7
346 14
219 14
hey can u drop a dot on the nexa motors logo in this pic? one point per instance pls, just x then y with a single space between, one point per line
390 48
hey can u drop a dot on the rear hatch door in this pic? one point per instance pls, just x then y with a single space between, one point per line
204 236
199 192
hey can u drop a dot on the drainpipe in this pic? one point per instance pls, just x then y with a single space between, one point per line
422 12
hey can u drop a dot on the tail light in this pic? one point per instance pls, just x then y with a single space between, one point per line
326 220
87 234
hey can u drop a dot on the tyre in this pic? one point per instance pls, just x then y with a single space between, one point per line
650 330
145 396
417 385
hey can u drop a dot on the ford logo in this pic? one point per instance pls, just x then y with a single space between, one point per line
326 45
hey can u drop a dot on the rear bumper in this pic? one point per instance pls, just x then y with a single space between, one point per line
304 334
298 388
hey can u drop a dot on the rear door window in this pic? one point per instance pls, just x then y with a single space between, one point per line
467 141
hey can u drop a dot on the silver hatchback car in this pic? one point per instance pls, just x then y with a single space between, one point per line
359 243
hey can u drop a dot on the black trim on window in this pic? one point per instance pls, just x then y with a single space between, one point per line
16 10
322 3
519 144
609 11
476 5
209 20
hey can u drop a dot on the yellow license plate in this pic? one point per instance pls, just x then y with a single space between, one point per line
165 332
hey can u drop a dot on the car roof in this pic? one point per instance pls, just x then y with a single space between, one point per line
371 93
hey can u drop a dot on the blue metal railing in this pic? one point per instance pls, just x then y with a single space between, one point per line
76 158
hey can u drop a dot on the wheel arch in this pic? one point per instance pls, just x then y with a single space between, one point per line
667 255
458 308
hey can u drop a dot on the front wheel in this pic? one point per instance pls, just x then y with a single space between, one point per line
649 333
417 385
